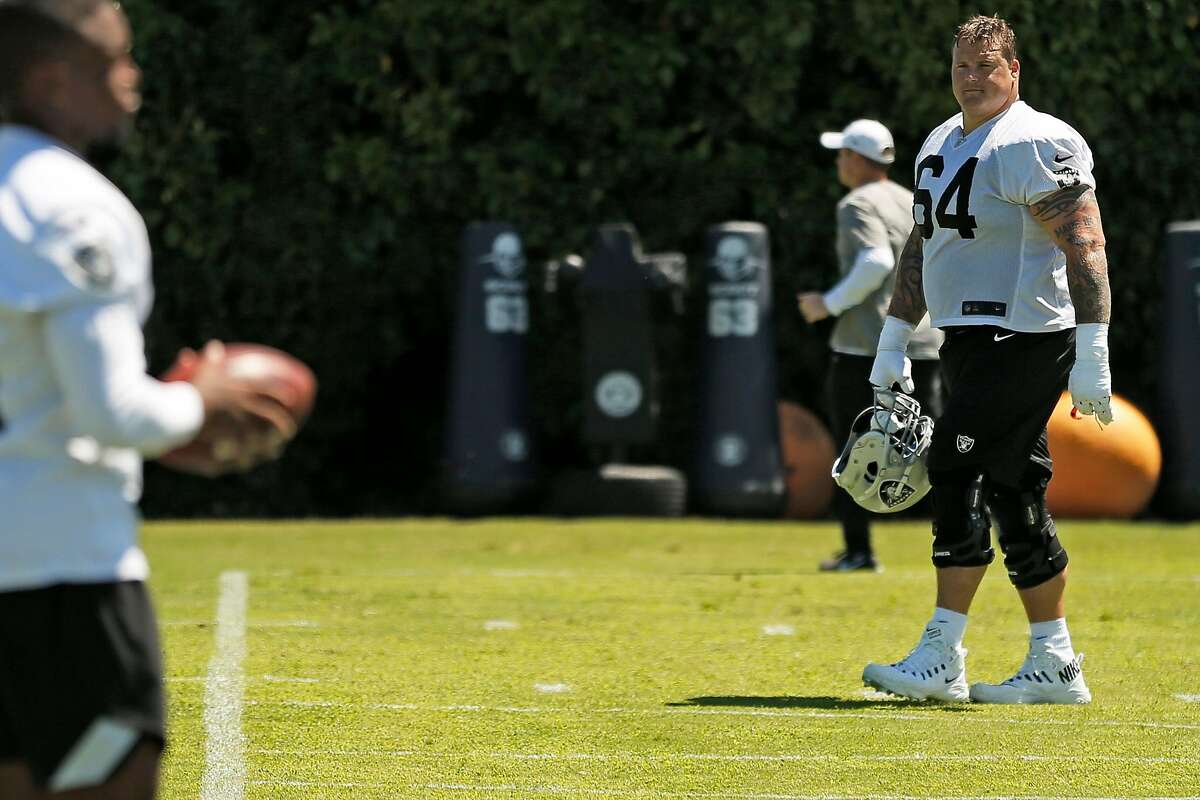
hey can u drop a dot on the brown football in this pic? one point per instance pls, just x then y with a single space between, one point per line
274 372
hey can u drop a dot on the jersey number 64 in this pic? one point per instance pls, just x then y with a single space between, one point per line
960 186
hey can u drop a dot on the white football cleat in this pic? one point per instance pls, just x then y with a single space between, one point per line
934 670
1043 678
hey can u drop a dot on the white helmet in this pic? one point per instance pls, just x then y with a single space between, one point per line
883 463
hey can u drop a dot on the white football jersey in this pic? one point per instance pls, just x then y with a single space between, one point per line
77 409
987 260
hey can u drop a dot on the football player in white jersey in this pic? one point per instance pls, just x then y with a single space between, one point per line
1008 259
80 674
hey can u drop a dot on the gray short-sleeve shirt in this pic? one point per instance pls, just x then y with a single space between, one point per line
876 214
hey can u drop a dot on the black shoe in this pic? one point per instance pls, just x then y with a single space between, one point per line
850 562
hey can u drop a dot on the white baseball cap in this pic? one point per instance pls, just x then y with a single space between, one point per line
866 137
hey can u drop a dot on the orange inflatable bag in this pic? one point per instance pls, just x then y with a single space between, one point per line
808 454
1102 473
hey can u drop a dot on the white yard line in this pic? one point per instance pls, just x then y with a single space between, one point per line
224 775
552 688
590 791
907 575
596 792
279 623
263 679
501 625
317 784
741 712
732 757
529 573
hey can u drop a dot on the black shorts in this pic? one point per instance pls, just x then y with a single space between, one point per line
1002 388
78 661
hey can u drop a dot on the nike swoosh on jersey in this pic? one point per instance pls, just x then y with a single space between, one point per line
1060 158
1001 337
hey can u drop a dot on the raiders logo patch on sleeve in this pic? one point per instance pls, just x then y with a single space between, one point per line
86 246
96 264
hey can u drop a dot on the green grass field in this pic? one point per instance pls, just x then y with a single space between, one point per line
682 659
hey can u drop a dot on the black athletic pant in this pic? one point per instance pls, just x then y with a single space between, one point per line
72 658
848 392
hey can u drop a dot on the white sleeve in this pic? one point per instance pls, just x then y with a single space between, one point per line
1031 171
870 270
97 354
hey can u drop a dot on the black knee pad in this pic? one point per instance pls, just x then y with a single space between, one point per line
961 527
1032 552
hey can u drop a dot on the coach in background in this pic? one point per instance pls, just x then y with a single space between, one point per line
81 707
1008 259
873 222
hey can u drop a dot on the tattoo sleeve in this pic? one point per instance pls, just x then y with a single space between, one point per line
908 297
1072 218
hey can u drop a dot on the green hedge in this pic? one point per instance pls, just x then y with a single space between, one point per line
306 167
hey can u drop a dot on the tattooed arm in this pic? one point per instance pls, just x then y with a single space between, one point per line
1072 218
908 297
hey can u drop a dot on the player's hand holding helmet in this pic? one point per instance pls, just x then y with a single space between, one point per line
891 365
1090 383
882 466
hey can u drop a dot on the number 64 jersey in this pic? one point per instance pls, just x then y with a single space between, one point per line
987 261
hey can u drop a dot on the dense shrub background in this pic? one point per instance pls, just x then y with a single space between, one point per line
306 167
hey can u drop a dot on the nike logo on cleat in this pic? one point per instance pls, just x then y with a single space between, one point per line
1068 673
952 680
1001 337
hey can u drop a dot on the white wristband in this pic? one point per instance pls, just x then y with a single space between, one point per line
895 334
1091 341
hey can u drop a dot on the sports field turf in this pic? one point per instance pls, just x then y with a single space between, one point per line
689 659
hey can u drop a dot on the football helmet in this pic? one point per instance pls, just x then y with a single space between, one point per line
882 465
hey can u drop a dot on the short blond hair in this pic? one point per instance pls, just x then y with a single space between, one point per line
993 30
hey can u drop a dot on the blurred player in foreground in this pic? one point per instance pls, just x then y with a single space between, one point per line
81 707
1008 257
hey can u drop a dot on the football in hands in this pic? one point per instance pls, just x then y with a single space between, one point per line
219 449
